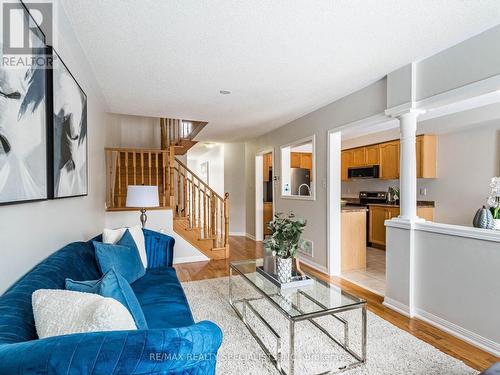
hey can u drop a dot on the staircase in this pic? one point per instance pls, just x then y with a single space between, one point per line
201 215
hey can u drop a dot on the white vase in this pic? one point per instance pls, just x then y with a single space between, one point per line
496 224
284 269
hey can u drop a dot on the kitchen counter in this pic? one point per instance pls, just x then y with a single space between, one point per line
353 209
419 204
357 202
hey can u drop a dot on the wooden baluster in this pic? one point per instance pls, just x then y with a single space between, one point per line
212 214
149 168
119 172
205 219
221 213
126 172
156 173
193 202
179 191
135 170
226 223
200 224
164 175
171 164
185 194
142 168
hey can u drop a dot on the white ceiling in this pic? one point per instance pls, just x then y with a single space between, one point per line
280 59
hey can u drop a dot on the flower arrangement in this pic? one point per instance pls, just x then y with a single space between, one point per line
284 242
494 198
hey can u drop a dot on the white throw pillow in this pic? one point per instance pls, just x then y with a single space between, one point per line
114 235
62 312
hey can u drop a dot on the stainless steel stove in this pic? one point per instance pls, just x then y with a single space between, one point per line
367 197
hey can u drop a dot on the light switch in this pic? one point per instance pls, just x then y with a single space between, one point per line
423 191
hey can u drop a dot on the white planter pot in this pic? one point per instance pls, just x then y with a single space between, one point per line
284 269
496 224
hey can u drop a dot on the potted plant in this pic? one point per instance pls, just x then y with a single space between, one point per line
494 201
284 242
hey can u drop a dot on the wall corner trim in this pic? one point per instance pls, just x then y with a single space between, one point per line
464 334
396 306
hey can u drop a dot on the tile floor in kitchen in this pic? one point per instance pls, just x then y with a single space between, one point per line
373 277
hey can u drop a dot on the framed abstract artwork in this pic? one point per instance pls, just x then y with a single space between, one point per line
69 159
23 121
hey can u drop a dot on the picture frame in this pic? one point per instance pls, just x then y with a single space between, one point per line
24 124
68 134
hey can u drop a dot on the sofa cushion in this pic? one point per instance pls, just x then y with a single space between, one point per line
112 285
123 257
162 299
62 312
112 236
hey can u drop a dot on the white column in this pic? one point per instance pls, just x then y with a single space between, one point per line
408 165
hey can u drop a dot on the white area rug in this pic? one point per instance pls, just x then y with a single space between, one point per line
390 350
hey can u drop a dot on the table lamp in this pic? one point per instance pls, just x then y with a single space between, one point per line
142 197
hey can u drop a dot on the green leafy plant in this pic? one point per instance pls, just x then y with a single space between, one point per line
286 229
494 198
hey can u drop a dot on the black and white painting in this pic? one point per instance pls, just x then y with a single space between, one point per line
69 133
23 124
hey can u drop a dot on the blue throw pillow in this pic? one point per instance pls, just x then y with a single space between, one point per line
123 257
112 285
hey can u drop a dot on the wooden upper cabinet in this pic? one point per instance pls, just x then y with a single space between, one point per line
346 162
267 166
426 156
294 160
359 157
387 156
372 155
306 160
389 160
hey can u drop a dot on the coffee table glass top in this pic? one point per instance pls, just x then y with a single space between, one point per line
297 303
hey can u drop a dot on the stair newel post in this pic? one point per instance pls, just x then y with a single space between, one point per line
163 135
179 191
226 223
171 165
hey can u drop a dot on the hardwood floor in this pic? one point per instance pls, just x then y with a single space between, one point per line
244 248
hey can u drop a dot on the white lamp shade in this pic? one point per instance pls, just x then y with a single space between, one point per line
142 196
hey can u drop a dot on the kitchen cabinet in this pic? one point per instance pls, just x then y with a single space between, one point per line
267 217
359 157
294 160
426 156
306 160
389 160
267 166
378 214
353 240
372 155
301 160
386 155
346 162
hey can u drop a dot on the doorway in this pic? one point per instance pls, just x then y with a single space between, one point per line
264 193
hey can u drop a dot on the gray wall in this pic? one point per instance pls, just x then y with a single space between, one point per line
30 232
234 184
473 60
363 103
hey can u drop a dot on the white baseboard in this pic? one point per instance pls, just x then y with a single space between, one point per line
191 259
464 334
316 266
237 234
251 236
396 306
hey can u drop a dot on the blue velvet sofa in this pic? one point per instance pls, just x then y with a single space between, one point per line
173 343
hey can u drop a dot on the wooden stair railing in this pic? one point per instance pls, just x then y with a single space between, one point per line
205 212
179 134
201 215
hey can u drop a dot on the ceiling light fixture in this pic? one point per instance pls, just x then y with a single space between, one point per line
225 92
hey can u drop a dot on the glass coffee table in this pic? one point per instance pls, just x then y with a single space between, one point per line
295 305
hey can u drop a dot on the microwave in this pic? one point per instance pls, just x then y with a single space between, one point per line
371 171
